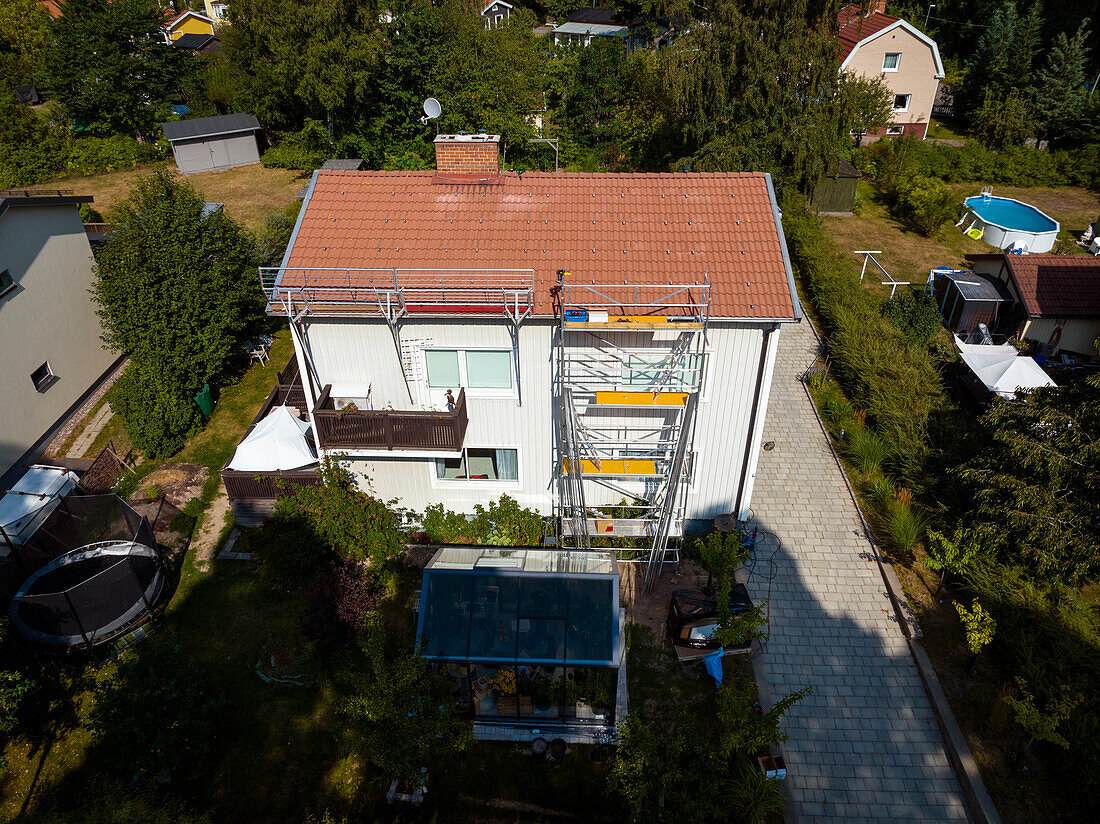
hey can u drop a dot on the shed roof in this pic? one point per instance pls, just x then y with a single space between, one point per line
978 286
344 164
601 228
193 41
211 126
1054 286
39 197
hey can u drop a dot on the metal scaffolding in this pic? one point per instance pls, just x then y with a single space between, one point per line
630 368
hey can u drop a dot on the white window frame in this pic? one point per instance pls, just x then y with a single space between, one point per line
49 380
908 101
463 377
894 131
466 483
897 65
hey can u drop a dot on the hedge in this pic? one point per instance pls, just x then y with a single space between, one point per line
31 163
880 370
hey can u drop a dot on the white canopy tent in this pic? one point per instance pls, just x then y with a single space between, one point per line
276 443
31 500
1002 369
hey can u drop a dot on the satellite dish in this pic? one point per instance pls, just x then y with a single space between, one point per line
432 109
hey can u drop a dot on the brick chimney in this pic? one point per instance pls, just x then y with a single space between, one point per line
468 155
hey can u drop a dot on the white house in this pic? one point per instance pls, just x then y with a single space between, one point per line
584 24
572 340
496 12
49 329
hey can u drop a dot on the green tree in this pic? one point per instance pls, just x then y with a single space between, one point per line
866 104
1040 724
108 64
176 287
304 57
926 204
1060 101
753 86
156 716
1004 119
980 628
596 91
744 727
722 553
988 68
1033 482
401 713
24 34
950 555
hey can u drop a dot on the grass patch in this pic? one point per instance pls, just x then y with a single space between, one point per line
249 193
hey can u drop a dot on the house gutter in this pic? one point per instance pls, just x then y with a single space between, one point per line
777 215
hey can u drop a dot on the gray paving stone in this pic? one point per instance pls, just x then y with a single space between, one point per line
864 747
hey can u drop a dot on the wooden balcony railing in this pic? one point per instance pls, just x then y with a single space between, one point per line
266 485
358 429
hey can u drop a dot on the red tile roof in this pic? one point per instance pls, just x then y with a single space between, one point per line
1057 286
621 228
854 27
52 6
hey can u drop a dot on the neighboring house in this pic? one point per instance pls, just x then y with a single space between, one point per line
221 142
52 6
218 12
190 22
1054 300
571 340
496 12
878 45
199 43
582 25
49 329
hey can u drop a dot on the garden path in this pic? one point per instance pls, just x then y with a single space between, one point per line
865 745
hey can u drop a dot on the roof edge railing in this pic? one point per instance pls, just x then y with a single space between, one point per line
341 290
640 298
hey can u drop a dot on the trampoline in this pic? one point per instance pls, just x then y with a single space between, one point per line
90 573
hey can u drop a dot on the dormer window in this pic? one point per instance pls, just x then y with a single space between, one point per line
891 62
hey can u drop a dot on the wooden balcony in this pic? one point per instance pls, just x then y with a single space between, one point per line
370 429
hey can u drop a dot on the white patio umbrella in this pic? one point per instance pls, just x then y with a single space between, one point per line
276 443
1002 369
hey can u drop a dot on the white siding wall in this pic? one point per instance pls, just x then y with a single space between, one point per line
355 353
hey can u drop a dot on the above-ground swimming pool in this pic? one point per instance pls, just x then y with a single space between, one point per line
1004 222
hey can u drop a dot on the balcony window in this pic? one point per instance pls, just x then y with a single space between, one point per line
477 465
485 369
891 62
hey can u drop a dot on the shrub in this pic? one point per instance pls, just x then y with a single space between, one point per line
157 419
836 408
925 204
904 527
865 449
881 492
915 315
340 602
504 523
306 149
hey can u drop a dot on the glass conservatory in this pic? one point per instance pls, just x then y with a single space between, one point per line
525 635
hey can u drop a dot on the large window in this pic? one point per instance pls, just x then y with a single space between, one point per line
479 465
488 369
901 102
891 62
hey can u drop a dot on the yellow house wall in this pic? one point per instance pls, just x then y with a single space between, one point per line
916 75
190 26
1077 335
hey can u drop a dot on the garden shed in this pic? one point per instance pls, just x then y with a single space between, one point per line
968 298
206 143
835 192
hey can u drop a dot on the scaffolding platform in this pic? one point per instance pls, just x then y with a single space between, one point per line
630 399
629 468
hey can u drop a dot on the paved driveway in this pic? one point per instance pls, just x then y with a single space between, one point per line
865 746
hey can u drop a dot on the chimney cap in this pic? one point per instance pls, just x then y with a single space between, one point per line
468 138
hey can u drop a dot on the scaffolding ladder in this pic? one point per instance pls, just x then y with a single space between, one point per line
630 368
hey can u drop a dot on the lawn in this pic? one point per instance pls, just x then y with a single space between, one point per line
908 256
249 193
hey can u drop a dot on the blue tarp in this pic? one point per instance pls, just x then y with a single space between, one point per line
713 662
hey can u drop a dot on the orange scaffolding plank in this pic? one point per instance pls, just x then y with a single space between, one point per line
641 398
629 466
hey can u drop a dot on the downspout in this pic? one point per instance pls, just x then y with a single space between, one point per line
754 417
